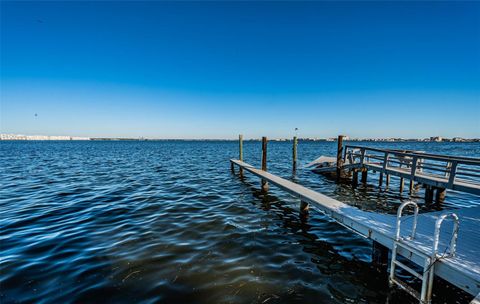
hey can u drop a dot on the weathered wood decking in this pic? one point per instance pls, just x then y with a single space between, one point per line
462 270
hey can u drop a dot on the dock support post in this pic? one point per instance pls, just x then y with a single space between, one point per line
339 157
380 257
264 163
354 178
232 167
387 180
411 187
380 179
440 196
240 152
303 207
428 195
364 175
402 184
294 156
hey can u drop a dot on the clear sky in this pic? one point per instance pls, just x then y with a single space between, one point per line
217 69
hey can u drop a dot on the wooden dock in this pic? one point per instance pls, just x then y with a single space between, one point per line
461 270
436 172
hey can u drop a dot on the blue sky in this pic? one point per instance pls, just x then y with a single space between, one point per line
217 69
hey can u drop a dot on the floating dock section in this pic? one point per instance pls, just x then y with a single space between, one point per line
461 270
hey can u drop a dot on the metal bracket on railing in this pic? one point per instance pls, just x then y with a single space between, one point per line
399 220
436 237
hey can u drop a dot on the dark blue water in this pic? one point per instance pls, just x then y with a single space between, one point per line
147 222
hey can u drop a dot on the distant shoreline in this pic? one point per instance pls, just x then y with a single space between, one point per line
15 137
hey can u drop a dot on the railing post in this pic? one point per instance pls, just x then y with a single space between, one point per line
264 163
240 152
294 156
362 156
453 171
412 173
339 157
447 169
384 167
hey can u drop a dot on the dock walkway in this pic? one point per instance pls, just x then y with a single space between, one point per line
462 270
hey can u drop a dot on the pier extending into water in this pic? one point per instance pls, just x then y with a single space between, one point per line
443 244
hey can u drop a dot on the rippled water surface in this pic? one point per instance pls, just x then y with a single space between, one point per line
167 222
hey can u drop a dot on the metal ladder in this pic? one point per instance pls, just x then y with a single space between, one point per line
425 294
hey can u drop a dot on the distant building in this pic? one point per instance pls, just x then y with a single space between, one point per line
436 138
39 137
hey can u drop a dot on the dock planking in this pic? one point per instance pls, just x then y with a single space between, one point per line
462 270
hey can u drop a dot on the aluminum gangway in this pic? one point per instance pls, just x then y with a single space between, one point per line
461 269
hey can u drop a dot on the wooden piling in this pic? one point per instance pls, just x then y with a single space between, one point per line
304 207
428 195
411 187
264 163
364 176
380 257
240 152
339 157
294 152
380 179
402 184
354 178
387 180
440 195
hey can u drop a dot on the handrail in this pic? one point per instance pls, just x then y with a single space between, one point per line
453 240
399 220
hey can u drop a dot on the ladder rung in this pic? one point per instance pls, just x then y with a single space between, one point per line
407 288
413 272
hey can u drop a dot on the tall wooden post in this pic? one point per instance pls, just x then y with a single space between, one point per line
240 152
339 157
380 179
402 184
294 156
264 163
387 180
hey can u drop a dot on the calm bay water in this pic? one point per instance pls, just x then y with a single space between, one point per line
146 222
